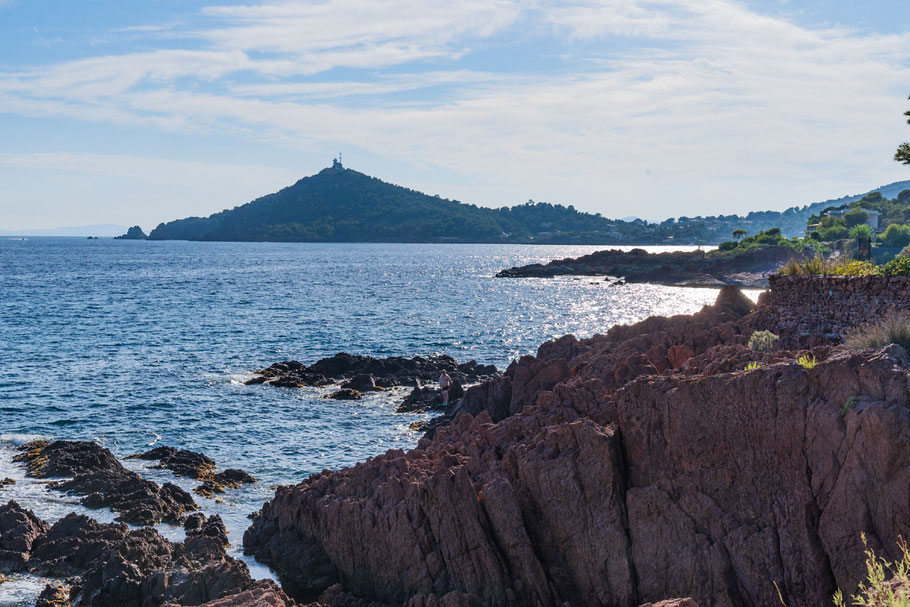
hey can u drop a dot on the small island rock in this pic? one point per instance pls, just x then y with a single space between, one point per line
134 233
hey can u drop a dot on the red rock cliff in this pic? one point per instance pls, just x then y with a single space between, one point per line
626 468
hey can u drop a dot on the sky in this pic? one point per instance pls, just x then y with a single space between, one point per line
143 112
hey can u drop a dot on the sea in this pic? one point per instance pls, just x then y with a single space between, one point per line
136 344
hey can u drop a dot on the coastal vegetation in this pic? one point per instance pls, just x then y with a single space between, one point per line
764 238
892 328
762 341
840 222
903 151
819 265
807 361
887 583
342 205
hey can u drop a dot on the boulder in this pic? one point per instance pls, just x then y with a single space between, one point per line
19 530
55 594
345 394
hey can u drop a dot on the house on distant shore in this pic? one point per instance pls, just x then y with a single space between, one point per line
871 216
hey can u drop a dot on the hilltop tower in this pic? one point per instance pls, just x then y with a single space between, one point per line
336 163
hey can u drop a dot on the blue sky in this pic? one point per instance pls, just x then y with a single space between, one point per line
141 112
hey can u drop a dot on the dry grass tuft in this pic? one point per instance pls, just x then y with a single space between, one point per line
893 328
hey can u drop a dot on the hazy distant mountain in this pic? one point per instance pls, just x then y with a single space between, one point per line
341 205
107 229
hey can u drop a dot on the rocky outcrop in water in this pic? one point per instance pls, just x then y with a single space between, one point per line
366 373
623 469
134 233
101 479
183 462
678 268
110 565
19 529
425 398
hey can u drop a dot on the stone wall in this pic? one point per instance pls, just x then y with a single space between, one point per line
832 304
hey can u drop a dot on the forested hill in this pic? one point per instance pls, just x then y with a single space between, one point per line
341 205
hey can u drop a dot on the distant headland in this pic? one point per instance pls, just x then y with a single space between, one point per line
342 205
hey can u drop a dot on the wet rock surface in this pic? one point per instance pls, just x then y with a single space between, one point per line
19 529
191 464
679 268
55 594
181 462
6 482
366 373
345 394
621 470
103 482
232 478
425 398
198 525
110 565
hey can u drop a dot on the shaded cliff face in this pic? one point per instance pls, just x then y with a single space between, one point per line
622 469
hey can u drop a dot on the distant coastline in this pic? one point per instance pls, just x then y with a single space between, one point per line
342 205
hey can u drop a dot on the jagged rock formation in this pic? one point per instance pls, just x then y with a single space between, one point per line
110 565
19 529
96 474
183 462
625 468
366 373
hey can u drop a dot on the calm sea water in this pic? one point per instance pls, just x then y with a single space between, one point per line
136 344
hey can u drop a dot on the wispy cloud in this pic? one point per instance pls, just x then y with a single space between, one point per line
711 94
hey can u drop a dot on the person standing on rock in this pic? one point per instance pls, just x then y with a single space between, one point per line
445 382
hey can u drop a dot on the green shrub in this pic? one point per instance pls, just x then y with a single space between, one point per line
807 362
813 266
893 328
899 266
847 406
886 585
762 341
835 232
856 268
855 218
727 245
752 366
896 236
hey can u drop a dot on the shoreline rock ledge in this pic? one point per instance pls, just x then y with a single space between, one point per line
620 470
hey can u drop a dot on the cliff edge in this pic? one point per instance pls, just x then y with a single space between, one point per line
622 469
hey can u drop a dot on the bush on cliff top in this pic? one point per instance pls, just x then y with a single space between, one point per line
899 266
762 341
893 328
822 266
816 265
886 585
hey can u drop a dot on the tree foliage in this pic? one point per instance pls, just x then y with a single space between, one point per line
903 150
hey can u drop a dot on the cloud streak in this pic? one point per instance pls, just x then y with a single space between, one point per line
711 96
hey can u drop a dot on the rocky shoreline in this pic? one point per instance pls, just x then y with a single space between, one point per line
620 470
357 375
679 269
661 459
